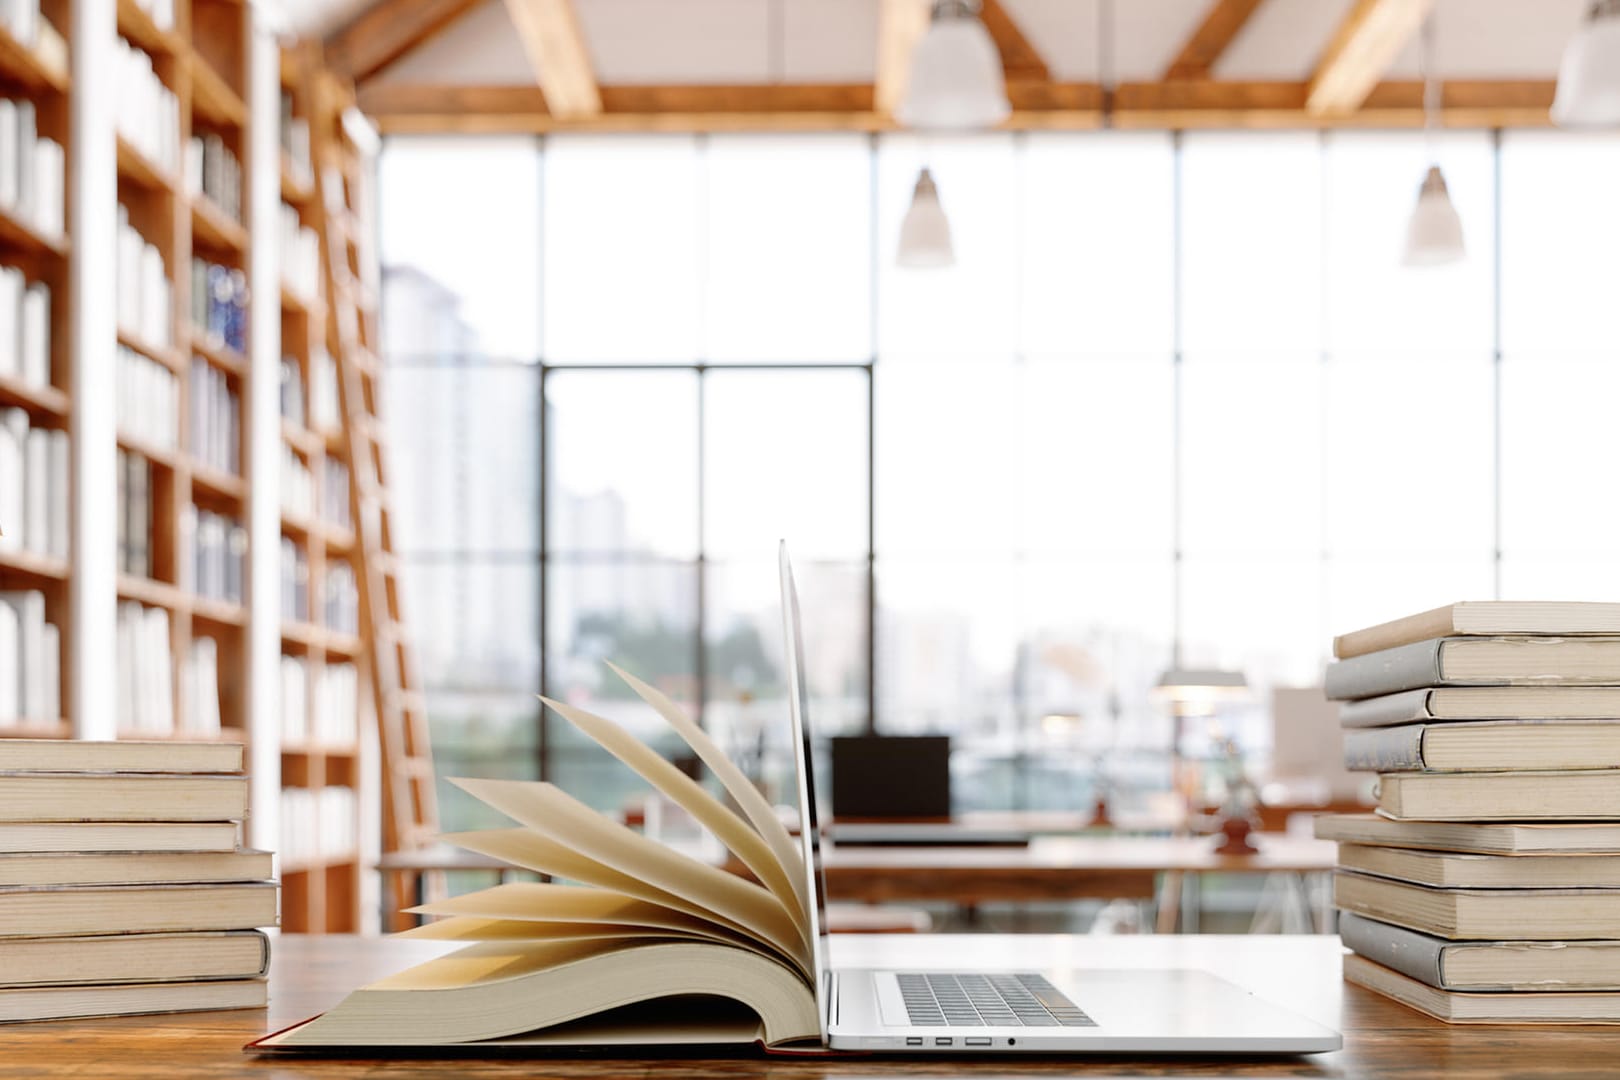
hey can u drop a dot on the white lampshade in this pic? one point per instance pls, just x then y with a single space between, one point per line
1434 236
956 79
925 235
1589 78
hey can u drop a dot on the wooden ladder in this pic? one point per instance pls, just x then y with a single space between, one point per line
341 148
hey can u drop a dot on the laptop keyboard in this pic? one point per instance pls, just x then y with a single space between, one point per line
936 999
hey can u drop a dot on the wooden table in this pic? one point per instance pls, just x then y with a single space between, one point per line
1066 868
1382 1039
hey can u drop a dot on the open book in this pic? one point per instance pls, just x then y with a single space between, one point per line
647 945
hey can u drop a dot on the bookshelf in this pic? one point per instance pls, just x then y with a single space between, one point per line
35 406
162 397
323 763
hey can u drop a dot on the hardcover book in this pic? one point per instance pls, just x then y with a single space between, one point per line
1487 746
1463 661
1483 703
1482 914
1484 617
1539 966
1458 1007
1490 838
651 946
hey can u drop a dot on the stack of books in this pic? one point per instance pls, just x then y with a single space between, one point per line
122 886
1486 888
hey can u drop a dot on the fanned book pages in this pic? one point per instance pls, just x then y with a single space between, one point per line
649 945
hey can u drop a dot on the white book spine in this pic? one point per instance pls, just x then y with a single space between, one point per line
58 464
35 335
10 667
36 508
11 302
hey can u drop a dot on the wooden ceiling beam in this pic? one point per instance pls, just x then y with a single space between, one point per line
900 24
555 44
403 109
1020 60
1360 51
386 31
1222 22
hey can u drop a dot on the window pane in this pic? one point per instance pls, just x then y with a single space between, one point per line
624 461
1557 446
638 613
1096 455
1097 234
789 266
971 308
1410 461
1251 209
1530 577
1559 259
1373 301
622 248
475 624
482 245
1251 455
946 435
747 695
488 735
948 642
1263 615
785 457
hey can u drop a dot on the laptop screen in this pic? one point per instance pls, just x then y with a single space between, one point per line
809 819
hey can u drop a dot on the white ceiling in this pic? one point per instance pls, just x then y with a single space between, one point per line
729 41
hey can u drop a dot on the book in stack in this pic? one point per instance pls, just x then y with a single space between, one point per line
123 888
1486 887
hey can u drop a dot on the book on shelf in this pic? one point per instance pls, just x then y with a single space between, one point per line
1540 966
1587 795
335 492
148 405
1461 870
1539 914
199 674
216 419
618 956
297 486
145 296
21 18
139 868
300 254
127 958
121 797
323 392
145 670
1485 618
148 113
34 465
134 514
219 298
213 171
294 581
216 555
25 328
318 825
292 391
1483 703
93 836
295 140
1486 838
1477 661
340 599
30 662
1489 745
1476 1007
129 999
33 170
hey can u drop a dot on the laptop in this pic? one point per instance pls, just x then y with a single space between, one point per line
1016 1011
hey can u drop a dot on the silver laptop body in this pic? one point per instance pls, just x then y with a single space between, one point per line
957 1011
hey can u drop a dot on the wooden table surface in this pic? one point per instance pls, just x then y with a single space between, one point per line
1053 867
1382 1039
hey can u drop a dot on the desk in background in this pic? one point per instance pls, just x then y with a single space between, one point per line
308 974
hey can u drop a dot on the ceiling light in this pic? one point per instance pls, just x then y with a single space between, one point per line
956 79
1589 78
925 235
1434 236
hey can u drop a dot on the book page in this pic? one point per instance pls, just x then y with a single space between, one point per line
471 928
551 812
631 901
737 785
730 829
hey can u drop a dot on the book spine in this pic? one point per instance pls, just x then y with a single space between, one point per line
1393 749
1408 667
1406 951
1385 711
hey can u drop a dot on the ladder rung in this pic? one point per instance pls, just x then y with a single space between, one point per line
409 700
416 766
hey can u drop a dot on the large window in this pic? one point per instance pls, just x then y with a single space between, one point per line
1175 391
